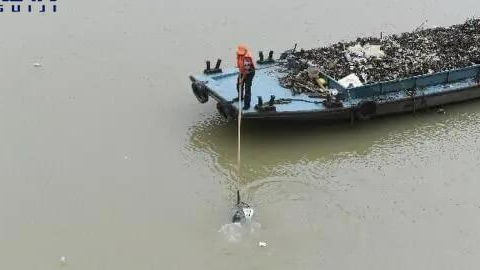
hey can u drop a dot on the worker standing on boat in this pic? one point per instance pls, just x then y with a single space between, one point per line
246 67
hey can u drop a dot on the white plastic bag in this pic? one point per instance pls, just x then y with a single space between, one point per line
350 81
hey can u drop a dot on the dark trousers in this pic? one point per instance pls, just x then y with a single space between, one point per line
247 87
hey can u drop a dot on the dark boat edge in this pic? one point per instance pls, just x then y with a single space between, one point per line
376 109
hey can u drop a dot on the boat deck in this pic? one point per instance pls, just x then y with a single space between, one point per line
222 87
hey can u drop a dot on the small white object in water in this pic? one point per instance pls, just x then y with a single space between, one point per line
37 64
63 260
262 244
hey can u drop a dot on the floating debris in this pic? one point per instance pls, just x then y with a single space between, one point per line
420 52
37 65
63 260
262 244
441 111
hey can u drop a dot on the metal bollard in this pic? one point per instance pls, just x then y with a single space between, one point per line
219 62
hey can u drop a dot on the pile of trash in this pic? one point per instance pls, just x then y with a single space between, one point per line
371 59
306 80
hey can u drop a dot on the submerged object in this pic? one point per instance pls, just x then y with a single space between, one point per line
243 212
394 74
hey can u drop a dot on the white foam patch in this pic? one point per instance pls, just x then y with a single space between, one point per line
236 232
232 232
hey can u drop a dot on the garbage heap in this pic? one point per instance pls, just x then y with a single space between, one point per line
392 57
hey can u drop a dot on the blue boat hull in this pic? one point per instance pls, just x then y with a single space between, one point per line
360 103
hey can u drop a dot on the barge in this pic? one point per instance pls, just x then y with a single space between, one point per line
362 102
362 79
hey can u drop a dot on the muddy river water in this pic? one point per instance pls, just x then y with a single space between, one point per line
107 159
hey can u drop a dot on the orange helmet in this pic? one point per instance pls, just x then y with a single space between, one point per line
242 49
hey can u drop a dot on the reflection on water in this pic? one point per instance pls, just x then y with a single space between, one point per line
401 182
318 155
287 148
387 194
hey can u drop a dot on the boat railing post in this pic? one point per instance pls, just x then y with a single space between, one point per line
217 65
208 68
270 56
261 57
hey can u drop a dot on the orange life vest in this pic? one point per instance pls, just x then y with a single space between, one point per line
245 62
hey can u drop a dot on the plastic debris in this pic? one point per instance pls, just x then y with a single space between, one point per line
305 81
393 57
248 212
262 244
350 81
333 92
37 65
367 51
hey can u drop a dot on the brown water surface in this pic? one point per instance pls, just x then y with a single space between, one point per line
107 159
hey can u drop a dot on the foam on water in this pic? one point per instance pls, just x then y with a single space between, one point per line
236 232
